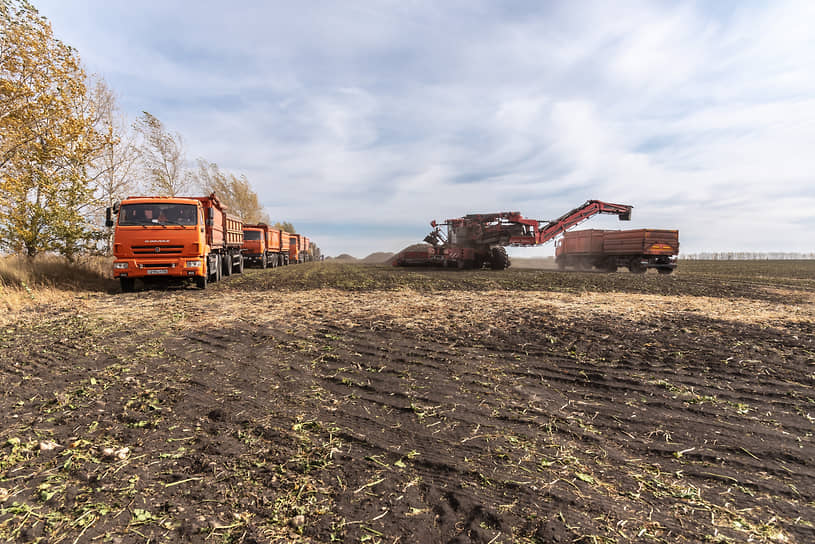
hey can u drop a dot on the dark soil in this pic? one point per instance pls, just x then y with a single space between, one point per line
229 416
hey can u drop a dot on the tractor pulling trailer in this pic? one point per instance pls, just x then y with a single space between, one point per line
479 240
608 250
174 238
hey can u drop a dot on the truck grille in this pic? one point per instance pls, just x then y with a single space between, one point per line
156 265
153 250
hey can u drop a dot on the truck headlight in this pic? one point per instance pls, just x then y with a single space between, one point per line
193 264
119 266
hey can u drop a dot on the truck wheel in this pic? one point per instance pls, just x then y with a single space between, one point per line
665 270
227 266
500 259
201 281
128 284
240 264
216 270
561 264
263 263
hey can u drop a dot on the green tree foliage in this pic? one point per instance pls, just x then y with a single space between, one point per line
162 157
233 191
48 137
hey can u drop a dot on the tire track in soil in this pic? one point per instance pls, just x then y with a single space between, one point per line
676 417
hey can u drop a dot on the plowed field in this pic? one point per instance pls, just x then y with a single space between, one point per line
331 402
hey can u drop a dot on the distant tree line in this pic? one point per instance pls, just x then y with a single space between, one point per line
748 256
67 151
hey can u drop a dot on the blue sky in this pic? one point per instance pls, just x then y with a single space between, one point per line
360 122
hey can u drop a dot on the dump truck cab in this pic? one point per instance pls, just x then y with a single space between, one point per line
159 237
254 244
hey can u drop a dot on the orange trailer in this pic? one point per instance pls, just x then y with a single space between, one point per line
607 250
285 246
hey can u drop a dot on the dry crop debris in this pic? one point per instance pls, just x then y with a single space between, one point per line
325 403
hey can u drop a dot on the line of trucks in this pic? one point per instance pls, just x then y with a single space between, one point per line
194 239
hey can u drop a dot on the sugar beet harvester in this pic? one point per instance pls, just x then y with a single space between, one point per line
478 240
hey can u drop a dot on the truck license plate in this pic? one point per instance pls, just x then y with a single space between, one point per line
157 271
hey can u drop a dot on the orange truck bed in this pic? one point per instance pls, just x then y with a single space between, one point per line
284 241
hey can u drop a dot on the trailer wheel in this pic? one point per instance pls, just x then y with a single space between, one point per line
128 284
610 265
500 259
201 281
636 267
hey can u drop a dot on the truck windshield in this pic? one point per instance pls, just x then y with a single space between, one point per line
157 214
251 235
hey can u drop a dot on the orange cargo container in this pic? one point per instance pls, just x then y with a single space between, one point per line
273 240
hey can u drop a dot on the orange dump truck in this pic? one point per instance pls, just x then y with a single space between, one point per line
295 247
607 250
262 245
174 238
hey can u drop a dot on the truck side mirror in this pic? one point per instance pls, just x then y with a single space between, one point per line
108 217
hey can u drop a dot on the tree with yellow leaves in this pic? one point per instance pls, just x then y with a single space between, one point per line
162 156
47 137
233 191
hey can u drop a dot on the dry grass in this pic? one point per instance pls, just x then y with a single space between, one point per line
48 279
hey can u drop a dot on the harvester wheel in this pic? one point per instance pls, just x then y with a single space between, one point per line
128 284
500 259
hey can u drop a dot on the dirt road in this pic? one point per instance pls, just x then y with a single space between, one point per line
323 403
